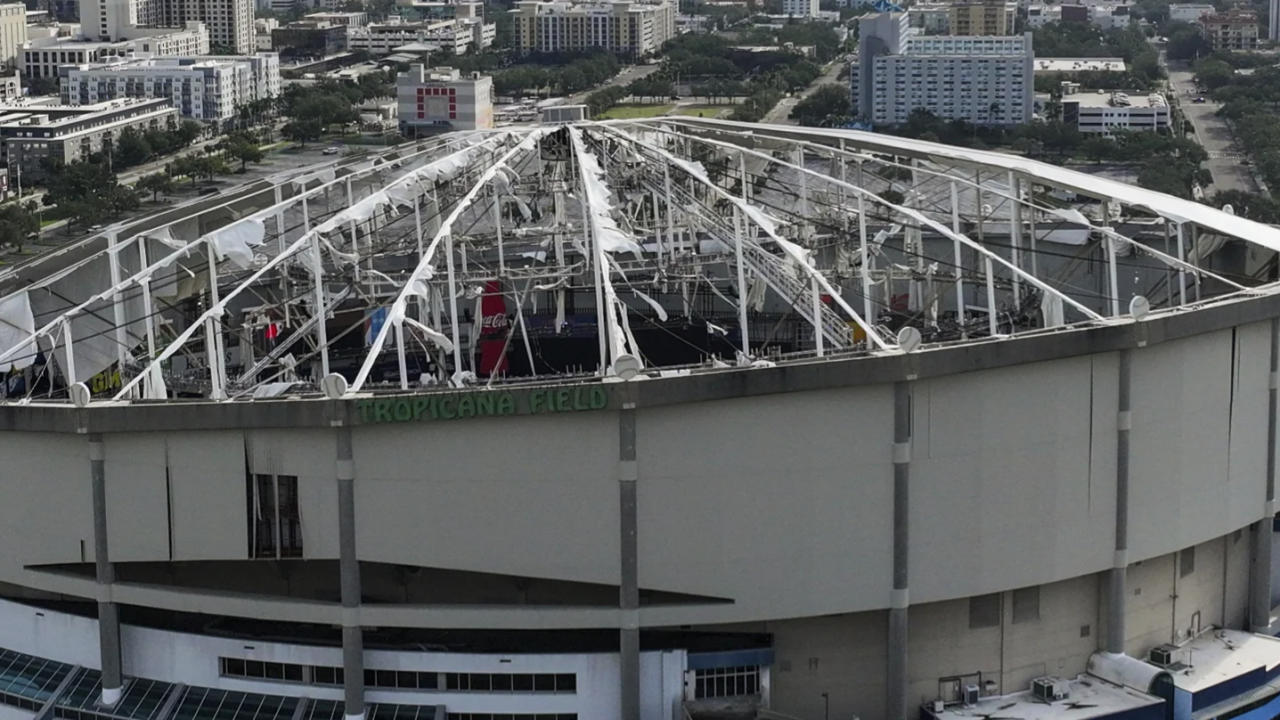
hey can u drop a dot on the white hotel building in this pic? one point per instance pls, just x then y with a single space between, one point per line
985 80
209 89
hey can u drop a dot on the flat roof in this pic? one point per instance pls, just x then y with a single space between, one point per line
1136 99
1216 656
1089 697
1079 64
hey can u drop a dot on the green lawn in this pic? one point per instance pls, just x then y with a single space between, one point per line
704 110
630 112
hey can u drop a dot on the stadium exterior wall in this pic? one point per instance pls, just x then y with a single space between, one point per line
768 488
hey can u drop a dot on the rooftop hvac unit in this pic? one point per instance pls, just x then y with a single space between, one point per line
971 695
1162 655
1050 689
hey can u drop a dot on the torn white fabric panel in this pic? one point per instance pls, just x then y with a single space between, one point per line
272 389
236 242
164 237
440 339
17 325
657 306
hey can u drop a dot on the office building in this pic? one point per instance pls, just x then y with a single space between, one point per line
43 56
1234 29
457 36
31 132
634 29
309 39
1189 12
1094 114
346 19
800 8
982 17
230 22
442 99
209 89
985 80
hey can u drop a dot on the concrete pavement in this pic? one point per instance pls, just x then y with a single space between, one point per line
780 113
1225 159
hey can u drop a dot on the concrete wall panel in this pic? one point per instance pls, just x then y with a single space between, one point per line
776 501
137 497
525 496
207 483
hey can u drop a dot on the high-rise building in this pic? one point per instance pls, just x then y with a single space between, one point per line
985 80
13 31
443 99
800 8
230 22
637 29
982 17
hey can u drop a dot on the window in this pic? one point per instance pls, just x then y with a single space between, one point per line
275 526
984 611
1188 562
1026 605
727 682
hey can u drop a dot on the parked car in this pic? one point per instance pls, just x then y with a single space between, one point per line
331 151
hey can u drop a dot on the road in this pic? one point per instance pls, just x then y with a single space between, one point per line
780 114
628 75
1225 159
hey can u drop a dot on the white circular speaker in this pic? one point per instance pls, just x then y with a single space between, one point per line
79 393
334 386
627 366
1139 307
909 339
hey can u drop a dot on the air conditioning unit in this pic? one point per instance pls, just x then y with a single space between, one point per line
971 695
1162 655
1050 689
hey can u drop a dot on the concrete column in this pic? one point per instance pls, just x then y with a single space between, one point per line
108 616
349 577
896 662
1260 580
1116 594
629 585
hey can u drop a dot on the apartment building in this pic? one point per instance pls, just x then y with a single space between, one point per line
638 29
442 99
1235 29
985 80
31 132
982 17
209 89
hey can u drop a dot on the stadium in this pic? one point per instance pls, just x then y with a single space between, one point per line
664 419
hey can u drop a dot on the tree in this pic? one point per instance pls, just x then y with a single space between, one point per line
157 184
828 106
304 130
17 223
1097 147
88 192
131 148
1186 42
242 147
